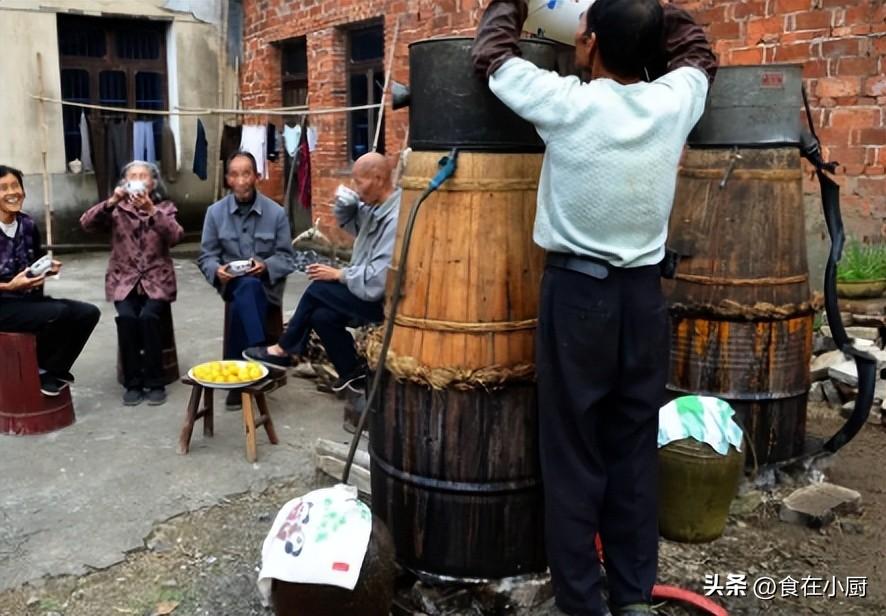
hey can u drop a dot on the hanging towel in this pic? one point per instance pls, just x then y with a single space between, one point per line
230 141
272 142
253 141
168 154
291 138
304 175
200 152
312 138
143 141
85 150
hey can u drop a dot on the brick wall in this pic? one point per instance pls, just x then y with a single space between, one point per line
842 44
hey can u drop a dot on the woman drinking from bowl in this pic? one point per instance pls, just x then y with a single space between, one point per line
140 278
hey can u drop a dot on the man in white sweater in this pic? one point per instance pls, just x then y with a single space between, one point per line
613 145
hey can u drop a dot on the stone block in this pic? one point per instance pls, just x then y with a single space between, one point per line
816 393
819 504
845 373
831 394
819 369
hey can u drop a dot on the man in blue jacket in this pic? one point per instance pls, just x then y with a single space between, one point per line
613 145
349 297
246 225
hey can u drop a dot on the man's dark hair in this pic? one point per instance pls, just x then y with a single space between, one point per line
238 154
6 170
629 35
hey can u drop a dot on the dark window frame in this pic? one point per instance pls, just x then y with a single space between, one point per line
373 70
112 30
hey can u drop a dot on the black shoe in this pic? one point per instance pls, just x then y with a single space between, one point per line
133 396
50 385
156 396
233 401
635 609
355 381
261 355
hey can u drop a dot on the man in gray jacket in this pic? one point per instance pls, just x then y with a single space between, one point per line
246 226
353 296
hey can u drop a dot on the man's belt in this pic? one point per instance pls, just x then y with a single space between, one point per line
589 266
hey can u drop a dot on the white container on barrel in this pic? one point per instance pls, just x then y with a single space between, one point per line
555 19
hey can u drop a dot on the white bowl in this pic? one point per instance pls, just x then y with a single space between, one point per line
346 195
238 268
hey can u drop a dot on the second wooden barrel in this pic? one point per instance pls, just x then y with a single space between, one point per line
740 305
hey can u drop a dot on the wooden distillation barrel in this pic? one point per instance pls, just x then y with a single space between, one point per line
455 473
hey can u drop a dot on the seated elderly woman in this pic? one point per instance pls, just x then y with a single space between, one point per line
62 326
140 278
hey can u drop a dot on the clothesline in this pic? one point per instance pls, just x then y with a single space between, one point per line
195 111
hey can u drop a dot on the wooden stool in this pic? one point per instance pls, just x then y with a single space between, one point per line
23 407
252 396
273 324
169 354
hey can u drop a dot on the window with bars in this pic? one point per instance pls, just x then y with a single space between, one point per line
365 59
110 62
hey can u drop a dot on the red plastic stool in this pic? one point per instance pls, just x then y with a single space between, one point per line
23 408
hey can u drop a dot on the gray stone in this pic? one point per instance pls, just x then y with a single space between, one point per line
522 593
819 504
831 394
853 331
822 344
816 393
862 333
869 320
845 373
818 371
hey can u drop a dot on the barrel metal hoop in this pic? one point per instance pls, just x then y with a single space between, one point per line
765 175
442 485
741 396
473 185
464 327
743 282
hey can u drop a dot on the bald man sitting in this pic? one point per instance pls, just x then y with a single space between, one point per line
349 297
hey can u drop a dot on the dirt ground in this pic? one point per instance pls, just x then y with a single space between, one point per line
205 562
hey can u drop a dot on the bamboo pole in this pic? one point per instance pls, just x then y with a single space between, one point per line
384 90
222 65
44 155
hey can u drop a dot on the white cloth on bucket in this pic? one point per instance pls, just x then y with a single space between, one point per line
704 418
319 538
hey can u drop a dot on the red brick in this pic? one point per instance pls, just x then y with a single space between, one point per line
838 86
743 10
855 118
860 66
805 35
875 86
875 170
815 69
810 20
793 52
792 6
724 30
871 136
842 47
768 29
746 55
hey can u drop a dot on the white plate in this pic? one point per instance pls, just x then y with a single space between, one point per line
264 373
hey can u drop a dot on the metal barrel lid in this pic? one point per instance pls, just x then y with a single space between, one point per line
752 106
452 106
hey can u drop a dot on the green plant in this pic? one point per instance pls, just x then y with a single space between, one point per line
862 262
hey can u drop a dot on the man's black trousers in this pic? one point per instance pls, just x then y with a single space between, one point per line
602 359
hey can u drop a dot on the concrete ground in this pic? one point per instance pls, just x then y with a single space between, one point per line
80 498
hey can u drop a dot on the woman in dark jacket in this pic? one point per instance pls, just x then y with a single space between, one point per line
140 278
